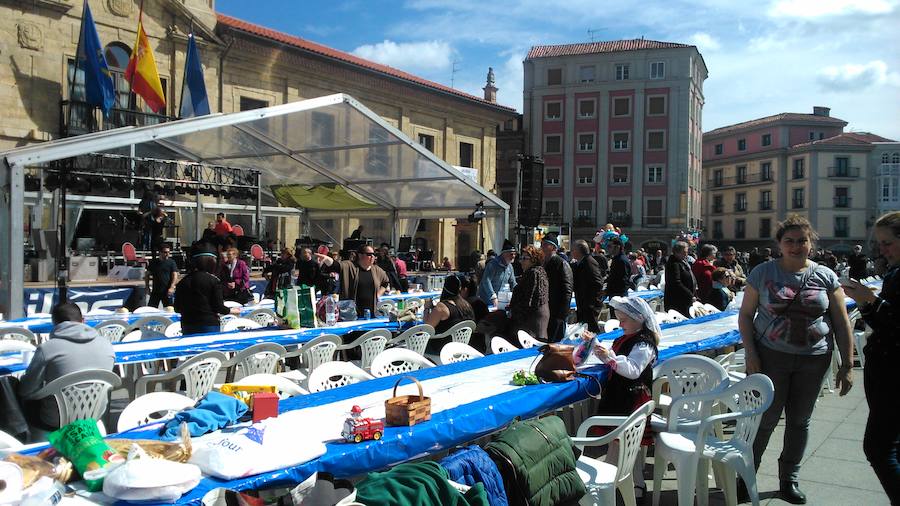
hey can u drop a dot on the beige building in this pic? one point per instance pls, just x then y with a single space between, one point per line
758 172
246 66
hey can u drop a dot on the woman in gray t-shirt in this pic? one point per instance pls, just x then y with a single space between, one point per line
792 315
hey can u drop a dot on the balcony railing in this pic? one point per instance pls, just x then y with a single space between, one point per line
757 177
717 234
740 207
619 219
797 174
551 218
842 232
843 172
841 201
585 221
654 221
717 209
77 118
765 205
797 203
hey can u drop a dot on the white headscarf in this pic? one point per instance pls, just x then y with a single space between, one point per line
637 309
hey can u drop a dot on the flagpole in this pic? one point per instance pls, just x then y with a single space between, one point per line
137 44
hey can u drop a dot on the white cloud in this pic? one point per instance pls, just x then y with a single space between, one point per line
853 76
808 9
705 42
410 56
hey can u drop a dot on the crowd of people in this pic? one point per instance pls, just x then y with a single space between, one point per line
792 316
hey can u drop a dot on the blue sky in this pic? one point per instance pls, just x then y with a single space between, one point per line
764 56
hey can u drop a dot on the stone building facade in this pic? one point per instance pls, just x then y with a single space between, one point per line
245 66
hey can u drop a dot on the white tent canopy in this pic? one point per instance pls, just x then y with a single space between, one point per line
331 139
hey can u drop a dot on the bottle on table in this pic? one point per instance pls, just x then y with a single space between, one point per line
331 310
367 314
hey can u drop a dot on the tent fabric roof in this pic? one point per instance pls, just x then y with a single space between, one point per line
327 140
327 197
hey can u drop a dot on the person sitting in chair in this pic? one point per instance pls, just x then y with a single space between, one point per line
72 347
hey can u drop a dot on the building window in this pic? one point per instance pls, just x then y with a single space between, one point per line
621 106
797 198
466 154
841 196
717 178
585 175
765 200
551 209
427 141
248 104
653 216
586 73
740 202
656 105
622 72
717 204
841 226
842 167
798 172
656 140
742 144
657 70
553 144
585 142
765 171
895 158
741 173
619 174
553 110
766 140
551 176
740 229
585 210
654 174
554 77
717 229
765 228
587 108
621 141
719 149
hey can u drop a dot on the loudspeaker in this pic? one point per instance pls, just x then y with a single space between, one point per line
354 244
532 194
405 243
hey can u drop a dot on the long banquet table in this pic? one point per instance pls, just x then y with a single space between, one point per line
469 400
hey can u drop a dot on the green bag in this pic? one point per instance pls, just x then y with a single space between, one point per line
537 462
286 307
81 442
306 306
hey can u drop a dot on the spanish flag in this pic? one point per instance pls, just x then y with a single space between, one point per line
142 74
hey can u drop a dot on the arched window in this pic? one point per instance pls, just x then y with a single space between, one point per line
895 158
117 55
885 158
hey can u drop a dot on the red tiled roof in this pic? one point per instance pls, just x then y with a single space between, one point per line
847 139
323 50
776 118
599 47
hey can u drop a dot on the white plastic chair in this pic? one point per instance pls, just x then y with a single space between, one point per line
14 345
336 374
500 345
259 358
230 304
370 345
284 387
710 309
8 442
114 330
527 341
151 326
459 333
602 478
610 325
145 309
199 373
746 401
174 330
264 317
397 361
239 324
453 352
415 338
663 317
151 408
81 395
675 316
384 308
18 334
314 353
685 375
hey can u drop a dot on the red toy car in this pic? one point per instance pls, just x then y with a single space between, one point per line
358 429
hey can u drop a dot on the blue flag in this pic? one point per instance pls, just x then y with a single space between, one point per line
194 101
98 84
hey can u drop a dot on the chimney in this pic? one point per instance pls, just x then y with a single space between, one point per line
818 110
490 91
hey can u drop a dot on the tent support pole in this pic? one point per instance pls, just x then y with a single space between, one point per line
257 223
395 230
198 213
12 239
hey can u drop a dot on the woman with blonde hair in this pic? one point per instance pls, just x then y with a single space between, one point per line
792 316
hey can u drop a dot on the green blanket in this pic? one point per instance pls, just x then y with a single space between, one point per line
420 484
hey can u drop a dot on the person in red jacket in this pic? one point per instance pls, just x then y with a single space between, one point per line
703 269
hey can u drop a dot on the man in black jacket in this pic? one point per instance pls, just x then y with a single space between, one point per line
588 286
680 282
619 279
559 277
858 263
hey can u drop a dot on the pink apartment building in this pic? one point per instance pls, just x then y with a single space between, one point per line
618 125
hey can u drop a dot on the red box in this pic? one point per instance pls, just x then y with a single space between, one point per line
265 405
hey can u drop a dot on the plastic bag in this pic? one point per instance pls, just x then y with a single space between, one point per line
347 310
81 442
306 306
143 478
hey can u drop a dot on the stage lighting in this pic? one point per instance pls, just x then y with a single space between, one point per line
51 182
80 184
32 183
100 185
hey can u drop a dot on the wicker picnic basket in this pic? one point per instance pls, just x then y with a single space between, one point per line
407 410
